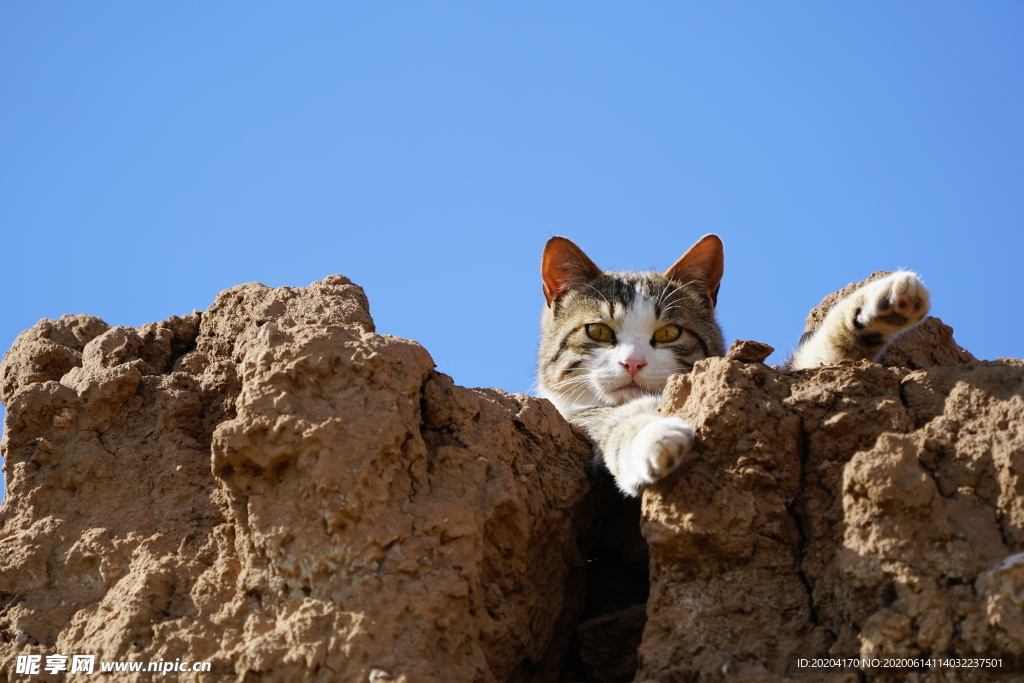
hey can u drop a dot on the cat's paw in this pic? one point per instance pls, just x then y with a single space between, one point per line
861 326
892 304
658 448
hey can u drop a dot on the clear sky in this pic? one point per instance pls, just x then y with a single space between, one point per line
153 154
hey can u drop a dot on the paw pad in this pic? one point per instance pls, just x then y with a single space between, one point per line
901 301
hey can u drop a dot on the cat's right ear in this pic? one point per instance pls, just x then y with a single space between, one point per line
564 266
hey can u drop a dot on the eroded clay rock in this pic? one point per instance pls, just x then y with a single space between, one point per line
849 509
272 487
609 644
857 509
47 351
749 351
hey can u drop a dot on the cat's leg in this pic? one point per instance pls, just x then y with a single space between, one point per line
634 443
862 325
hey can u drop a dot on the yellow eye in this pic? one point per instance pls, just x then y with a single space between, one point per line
600 332
666 334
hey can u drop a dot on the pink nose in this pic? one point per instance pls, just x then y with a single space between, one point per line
633 365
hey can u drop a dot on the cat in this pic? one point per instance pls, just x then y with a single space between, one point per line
610 341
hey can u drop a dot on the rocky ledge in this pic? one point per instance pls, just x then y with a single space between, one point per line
272 487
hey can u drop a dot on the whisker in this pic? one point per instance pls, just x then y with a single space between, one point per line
598 293
664 293
575 395
575 381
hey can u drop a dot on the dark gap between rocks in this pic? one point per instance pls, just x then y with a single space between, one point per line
604 645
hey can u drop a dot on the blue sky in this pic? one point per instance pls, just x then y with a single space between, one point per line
153 154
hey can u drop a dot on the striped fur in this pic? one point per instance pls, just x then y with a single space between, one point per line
591 382
577 372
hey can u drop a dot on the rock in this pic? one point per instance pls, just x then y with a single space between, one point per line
928 345
272 487
47 351
749 351
843 509
275 489
610 642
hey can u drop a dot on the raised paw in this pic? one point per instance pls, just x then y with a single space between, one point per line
860 326
892 304
660 447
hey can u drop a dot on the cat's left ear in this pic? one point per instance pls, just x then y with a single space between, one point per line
701 267
564 266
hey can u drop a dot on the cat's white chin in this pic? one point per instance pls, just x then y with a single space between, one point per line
628 392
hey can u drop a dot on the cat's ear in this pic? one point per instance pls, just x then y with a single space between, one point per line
701 267
564 266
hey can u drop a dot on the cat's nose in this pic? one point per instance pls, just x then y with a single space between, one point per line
633 365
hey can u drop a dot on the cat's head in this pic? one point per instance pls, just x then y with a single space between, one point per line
608 337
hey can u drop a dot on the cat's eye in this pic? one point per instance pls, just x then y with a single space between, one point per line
600 332
666 334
